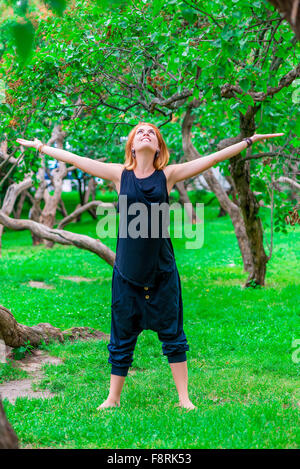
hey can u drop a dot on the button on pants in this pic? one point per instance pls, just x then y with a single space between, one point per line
136 308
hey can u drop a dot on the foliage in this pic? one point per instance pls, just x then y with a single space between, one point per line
120 62
241 373
20 352
126 64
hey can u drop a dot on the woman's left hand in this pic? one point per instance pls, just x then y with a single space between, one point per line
258 137
29 143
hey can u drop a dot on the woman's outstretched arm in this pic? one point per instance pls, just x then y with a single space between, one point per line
181 171
110 171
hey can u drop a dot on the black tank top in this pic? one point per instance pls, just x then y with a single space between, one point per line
140 259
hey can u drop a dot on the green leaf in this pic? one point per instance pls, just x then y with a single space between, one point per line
248 100
57 5
22 6
157 5
244 84
208 94
196 93
281 53
295 142
110 3
227 33
297 128
189 15
23 34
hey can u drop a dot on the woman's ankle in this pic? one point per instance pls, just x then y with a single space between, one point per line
184 398
113 398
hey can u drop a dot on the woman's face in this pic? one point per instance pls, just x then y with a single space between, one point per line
145 138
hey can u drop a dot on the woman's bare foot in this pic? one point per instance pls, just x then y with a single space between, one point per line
109 403
187 405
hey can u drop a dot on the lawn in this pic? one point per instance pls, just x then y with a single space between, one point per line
241 373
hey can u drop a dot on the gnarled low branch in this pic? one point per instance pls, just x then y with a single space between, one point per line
17 335
81 209
60 236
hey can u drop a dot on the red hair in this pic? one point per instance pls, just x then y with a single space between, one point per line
160 162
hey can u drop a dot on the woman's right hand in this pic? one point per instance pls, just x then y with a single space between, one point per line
29 143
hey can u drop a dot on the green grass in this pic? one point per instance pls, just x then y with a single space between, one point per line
8 372
241 373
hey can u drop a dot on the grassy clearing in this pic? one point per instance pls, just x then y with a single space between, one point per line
241 373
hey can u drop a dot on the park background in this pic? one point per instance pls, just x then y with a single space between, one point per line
79 75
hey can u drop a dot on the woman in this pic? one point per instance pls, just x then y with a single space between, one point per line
146 288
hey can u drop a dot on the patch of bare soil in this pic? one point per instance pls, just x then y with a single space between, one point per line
85 333
78 279
22 388
35 284
32 364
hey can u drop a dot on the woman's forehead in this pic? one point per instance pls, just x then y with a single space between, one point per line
145 127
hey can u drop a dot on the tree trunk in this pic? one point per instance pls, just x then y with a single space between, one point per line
94 189
230 207
18 211
8 438
222 212
35 211
229 191
10 198
91 190
48 215
291 12
78 217
17 335
80 181
236 217
51 202
240 171
63 208
232 191
184 199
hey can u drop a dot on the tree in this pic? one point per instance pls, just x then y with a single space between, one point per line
8 438
224 72
291 12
